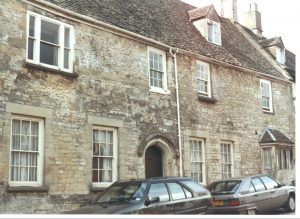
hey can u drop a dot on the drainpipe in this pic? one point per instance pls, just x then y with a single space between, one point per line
178 108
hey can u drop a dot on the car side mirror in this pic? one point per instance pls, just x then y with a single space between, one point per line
151 200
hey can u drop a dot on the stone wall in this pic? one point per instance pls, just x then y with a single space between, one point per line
112 89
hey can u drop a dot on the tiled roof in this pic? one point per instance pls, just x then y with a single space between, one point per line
199 12
274 136
275 41
243 51
264 42
168 21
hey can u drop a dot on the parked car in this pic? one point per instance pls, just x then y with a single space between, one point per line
250 195
164 195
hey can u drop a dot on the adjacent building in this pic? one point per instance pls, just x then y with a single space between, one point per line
97 91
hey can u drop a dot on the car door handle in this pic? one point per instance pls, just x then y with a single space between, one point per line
272 191
169 206
255 195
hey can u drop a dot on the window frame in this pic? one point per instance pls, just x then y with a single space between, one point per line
280 55
40 156
269 149
215 32
231 159
208 93
164 89
114 159
197 162
265 109
283 164
61 44
259 180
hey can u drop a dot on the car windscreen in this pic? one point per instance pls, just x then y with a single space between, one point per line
224 187
123 192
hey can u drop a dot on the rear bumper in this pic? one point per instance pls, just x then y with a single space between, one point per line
228 210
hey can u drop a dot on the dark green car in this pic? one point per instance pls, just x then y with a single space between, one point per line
163 195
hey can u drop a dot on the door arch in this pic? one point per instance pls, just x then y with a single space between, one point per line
153 162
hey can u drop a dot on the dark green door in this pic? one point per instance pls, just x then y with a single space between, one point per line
153 162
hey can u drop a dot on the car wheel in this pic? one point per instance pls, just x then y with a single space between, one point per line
291 203
251 211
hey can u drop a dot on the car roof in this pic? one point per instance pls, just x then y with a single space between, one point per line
158 179
240 178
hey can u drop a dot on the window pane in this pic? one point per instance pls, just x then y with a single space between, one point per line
187 193
25 142
96 135
105 163
103 136
16 142
159 190
31 26
14 174
67 37
35 128
258 185
110 137
210 33
23 159
269 183
95 163
30 48
15 158
105 176
49 32
66 58
32 174
95 176
267 159
32 159
48 54
24 174
96 149
25 127
34 143
16 126
176 191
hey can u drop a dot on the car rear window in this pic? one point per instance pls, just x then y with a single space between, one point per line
225 187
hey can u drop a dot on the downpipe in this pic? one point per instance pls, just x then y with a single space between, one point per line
173 52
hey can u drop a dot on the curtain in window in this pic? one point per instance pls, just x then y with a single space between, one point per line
102 156
267 159
24 153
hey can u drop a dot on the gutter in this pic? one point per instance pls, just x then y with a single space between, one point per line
173 54
49 7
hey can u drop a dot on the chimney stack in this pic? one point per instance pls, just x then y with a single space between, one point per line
229 9
252 19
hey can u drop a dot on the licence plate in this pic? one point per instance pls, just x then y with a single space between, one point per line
218 203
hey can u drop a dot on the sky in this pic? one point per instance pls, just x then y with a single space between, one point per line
279 17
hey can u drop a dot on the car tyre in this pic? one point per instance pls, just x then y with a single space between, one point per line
291 204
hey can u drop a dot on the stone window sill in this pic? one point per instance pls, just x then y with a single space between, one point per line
97 189
268 112
27 189
207 99
50 70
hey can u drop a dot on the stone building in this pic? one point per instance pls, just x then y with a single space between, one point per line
96 91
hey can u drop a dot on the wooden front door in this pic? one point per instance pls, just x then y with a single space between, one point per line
153 162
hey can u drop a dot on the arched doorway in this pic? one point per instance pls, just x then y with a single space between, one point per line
153 162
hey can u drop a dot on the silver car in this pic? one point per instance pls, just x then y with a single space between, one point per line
250 195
